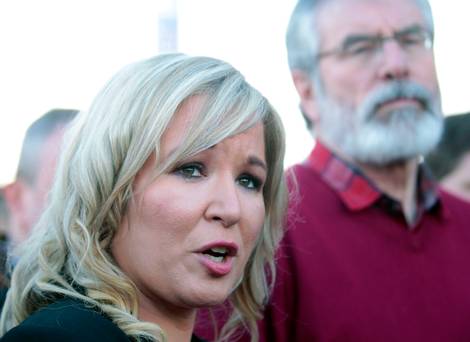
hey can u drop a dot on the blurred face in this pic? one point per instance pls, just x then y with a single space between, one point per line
187 234
29 200
458 181
377 102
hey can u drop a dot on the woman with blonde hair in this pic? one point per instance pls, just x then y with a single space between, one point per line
169 197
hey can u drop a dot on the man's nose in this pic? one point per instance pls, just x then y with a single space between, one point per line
395 61
224 203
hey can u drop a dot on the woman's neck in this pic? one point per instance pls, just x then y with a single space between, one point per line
176 323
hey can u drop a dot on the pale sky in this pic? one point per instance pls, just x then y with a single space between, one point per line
59 53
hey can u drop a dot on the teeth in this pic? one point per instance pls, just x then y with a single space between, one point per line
221 250
216 258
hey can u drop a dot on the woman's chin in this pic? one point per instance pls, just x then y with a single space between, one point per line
210 296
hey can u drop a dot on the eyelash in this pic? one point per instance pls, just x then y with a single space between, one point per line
194 167
256 185
197 170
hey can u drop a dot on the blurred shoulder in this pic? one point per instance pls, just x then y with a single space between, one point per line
452 201
456 210
66 320
3 295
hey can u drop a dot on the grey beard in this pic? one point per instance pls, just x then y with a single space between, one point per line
402 135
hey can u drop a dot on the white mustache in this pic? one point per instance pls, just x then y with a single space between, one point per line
394 91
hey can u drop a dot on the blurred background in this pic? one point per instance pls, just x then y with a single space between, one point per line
59 53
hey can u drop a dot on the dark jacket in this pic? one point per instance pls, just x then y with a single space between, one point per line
66 320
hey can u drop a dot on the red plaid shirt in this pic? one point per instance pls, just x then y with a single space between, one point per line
358 193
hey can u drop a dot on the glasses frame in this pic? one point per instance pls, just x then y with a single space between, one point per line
378 41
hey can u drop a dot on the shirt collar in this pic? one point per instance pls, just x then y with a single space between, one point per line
357 192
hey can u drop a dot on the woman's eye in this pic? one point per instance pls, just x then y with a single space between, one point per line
249 182
190 171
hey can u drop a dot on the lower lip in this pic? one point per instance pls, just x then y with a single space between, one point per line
400 103
215 268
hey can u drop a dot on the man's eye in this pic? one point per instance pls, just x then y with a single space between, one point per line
250 182
360 47
190 171
411 39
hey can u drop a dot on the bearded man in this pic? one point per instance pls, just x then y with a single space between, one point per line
375 250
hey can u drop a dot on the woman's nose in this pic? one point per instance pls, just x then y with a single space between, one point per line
224 202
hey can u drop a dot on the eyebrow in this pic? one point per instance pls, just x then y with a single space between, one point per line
252 160
354 38
351 39
411 29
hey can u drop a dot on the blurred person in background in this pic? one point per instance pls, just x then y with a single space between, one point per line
26 196
450 160
169 197
374 250
3 214
3 240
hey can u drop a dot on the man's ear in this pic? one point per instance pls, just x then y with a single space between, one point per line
304 85
12 194
14 198
17 217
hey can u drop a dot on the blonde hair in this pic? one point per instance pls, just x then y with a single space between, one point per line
69 251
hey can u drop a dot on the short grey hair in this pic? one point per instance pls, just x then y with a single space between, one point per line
35 138
303 39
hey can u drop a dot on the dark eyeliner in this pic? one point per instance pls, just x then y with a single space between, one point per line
257 183
188 170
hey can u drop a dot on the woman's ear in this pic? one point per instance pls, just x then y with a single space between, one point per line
304 85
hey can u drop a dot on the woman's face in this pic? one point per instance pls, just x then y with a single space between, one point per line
187 235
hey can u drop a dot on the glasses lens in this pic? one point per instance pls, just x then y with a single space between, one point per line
362 46
414 38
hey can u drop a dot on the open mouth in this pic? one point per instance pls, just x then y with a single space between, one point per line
219 254
218 258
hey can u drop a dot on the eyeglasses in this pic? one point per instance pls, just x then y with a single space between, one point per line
365 47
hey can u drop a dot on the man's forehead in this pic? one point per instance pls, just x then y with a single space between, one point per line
340 18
